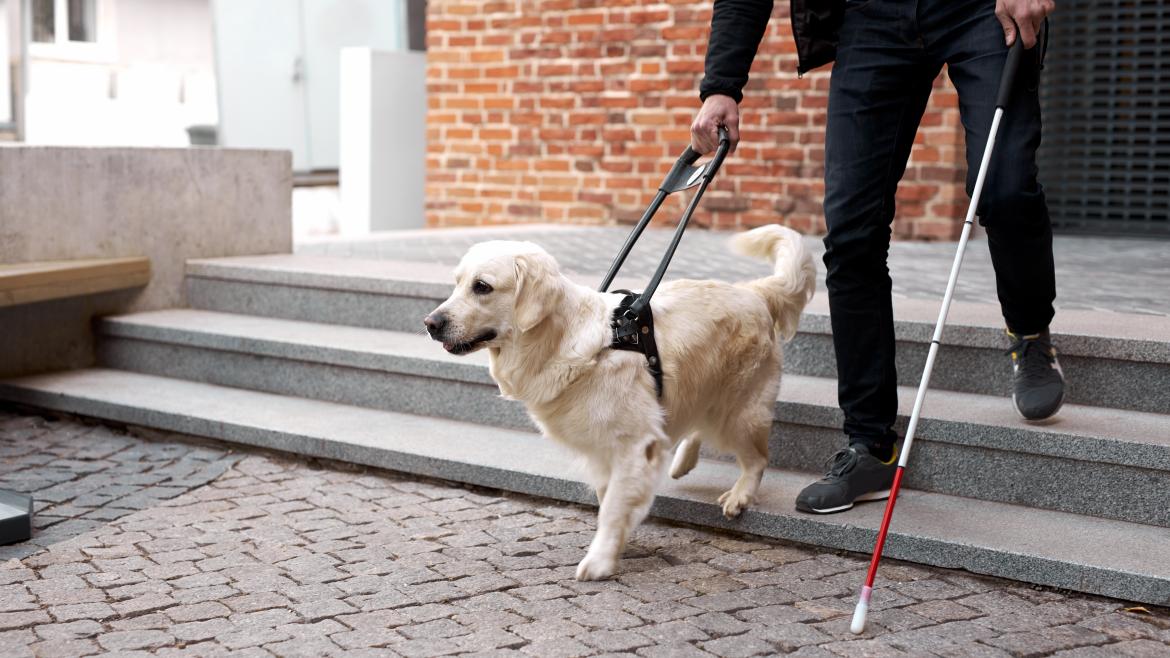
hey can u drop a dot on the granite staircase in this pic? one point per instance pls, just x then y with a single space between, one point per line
326 357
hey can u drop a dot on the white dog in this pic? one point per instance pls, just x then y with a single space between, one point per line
549 345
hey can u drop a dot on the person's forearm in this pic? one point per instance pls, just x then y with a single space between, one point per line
736 29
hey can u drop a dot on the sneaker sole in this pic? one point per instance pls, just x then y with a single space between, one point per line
863 498
1016 406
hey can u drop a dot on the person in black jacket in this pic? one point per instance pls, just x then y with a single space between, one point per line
888 53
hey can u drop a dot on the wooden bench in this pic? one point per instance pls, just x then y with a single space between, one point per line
23 283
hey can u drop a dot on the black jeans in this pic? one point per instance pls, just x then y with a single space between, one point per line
890 52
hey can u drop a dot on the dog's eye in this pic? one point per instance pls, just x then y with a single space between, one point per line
480 288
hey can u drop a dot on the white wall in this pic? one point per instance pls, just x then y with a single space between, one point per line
279 86
383 140
149 78
5 68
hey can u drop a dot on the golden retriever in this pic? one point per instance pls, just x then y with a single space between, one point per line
549 345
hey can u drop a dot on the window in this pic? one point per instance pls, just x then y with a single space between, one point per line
62 21
83 20
44 20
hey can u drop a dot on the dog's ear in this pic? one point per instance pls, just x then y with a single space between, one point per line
538 287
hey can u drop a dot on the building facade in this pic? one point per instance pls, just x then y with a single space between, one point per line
572 110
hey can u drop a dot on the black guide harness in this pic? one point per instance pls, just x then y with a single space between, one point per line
633 323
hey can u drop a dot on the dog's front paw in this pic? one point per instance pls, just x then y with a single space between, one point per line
595 567
734 502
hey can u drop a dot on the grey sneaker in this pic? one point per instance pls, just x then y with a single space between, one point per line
1037 380
854 475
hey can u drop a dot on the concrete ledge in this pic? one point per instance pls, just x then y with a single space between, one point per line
164 204
1111 558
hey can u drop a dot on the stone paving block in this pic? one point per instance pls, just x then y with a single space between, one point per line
423 648
664 611
128 640
997 603
309 647
196 631
1048 640
615 640
740 563
151 621
97 611
656 592
438 628
488 639
792 636
674 632
16 643
604 619
74 630
1140 649
144 603
559 648
899 619
944 611
867 648
324 609
366 638
492 619
194 595
64 648
966 651
719 624
776 615
1121 627
739 646
198 611
722 602
673 650
237 640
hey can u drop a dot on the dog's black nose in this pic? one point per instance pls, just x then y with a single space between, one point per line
435 323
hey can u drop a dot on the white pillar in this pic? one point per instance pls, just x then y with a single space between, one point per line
383 140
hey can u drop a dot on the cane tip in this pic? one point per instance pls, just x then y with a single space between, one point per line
857 627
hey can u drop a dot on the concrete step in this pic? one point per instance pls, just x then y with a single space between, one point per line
1105 462
1112 558
1112 360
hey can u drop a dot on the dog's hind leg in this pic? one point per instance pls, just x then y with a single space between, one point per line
686 455
750 446
627 499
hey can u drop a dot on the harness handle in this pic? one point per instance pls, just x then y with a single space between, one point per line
683 175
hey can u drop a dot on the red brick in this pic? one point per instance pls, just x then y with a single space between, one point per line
569 110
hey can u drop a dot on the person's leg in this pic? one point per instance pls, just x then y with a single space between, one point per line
881 82
1012 207
880 85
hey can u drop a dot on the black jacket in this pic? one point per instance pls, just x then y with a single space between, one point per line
738 25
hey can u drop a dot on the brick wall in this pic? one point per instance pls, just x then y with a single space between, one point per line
573 110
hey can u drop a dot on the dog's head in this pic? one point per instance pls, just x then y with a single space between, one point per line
502 289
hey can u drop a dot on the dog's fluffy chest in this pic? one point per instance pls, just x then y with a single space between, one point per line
608 405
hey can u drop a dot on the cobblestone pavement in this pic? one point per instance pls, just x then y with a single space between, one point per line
83 475
1126 275
277 556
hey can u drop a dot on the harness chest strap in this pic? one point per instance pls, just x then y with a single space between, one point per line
635 333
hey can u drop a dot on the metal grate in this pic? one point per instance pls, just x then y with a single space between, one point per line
1105 93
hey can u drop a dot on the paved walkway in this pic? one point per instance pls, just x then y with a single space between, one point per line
1126 275
219 552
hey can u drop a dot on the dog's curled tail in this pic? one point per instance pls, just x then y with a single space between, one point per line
794 279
